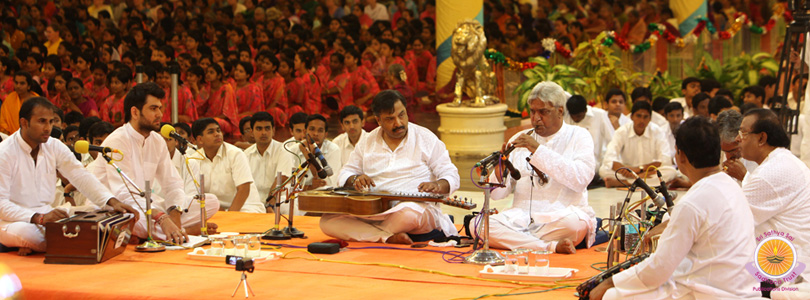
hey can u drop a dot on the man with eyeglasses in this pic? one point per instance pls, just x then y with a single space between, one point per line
778 191
728 124
550 210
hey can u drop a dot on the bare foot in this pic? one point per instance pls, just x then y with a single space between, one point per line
565 246
24 251
399 238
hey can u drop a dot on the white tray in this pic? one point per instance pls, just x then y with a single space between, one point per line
498 272
265 255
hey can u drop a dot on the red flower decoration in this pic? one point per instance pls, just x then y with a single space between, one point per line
724 35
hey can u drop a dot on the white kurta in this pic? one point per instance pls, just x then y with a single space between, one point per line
703 251
659 120
288 161
346 147
560 207
145 159
263 166
27 188
634 150
420 157
228 170
594 123
778 192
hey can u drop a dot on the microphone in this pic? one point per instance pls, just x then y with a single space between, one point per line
656 198
326 168
668 197
322 173
497 154
167 131
85 147
512 171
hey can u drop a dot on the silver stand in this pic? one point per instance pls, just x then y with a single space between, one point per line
150 245
139 74
203 215
485 256
274 233
247 286
174 71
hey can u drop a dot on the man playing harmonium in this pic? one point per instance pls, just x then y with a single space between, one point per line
550 210
397 157
703 251
30 159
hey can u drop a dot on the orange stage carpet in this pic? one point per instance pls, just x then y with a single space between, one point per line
170 275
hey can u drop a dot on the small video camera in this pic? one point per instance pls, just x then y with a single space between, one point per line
240 263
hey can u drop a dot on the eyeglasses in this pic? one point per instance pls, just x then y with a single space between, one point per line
742 134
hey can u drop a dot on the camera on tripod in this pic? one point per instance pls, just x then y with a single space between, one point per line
240 263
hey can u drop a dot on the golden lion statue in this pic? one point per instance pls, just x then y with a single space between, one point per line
473 74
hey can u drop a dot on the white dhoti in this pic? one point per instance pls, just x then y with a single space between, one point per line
188 219
407 217
24 235
513 228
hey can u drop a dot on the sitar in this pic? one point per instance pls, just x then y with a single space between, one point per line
367 203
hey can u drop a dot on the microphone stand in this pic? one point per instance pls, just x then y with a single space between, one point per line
150 245
295 181
201 197
274 233
613 246
486 256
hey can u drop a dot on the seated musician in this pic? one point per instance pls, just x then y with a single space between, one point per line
552 215
30 159
703 252
778 190
144 157
226 169
728 123
398 157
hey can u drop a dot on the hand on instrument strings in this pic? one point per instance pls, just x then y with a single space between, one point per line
440 186
123 208
53 216
526 141
599 291
173 233
657 230
363 182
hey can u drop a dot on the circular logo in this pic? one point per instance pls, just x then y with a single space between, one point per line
776 257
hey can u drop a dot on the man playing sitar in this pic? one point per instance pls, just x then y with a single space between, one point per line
401 157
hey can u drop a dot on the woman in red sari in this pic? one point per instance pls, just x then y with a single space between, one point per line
386 59
6 80
273 87
364 86
338 84
59 95
112 109
219 101
425 65
195 83
306 85
249 98
96 89
295 100
78 101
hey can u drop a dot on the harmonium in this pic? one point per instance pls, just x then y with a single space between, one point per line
87 237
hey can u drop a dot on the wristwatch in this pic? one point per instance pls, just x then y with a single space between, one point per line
175 207
68 195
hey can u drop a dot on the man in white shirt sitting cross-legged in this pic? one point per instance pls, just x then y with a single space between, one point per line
703 251
30 159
